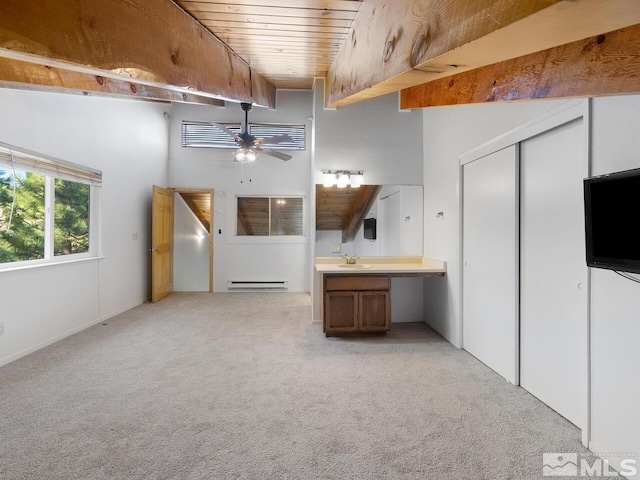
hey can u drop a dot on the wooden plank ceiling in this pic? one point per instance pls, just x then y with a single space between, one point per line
200 205
288 41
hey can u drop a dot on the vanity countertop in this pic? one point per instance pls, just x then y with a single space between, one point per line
394 266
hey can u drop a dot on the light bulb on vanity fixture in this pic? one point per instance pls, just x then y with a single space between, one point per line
329 179
357 180
343 180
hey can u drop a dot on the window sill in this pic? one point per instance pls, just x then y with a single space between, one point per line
36 266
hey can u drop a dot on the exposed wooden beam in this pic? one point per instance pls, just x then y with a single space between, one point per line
150 43
359 213
396 45
30 76
607 64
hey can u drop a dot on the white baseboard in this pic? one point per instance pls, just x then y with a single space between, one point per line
57 338
122 310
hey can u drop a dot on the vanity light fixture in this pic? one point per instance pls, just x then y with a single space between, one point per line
342 178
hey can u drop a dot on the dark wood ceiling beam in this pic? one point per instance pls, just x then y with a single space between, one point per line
30 76
396 45
361 207
607 64
149 43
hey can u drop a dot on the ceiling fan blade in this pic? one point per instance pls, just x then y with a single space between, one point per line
227 131
274 140
275 154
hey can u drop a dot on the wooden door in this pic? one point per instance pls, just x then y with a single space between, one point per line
490 267
553 297
161 243
374 311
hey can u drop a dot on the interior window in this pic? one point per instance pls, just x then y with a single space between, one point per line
270 216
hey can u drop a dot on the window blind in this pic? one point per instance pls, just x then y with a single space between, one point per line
25 160
204 134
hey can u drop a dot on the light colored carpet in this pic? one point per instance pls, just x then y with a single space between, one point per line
242 385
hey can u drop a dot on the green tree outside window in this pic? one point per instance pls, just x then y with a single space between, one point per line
24 239
71 219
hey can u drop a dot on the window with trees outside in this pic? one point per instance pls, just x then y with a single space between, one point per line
45 207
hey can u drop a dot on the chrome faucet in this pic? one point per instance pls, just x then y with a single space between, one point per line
351 260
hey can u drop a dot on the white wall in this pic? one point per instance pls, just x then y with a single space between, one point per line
190 250
615 301
449 132
373 136
128 142
244 258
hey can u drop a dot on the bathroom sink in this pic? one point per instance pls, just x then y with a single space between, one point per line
355 266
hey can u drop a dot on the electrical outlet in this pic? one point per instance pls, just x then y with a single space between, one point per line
1 328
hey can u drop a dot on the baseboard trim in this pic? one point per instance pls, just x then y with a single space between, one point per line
57 338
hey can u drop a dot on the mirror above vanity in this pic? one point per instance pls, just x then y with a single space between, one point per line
340 221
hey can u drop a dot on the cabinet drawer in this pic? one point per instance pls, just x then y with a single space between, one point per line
360 282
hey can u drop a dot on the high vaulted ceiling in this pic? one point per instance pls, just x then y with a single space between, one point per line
437 52
288 41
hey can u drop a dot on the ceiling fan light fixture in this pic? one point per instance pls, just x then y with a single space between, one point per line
245 155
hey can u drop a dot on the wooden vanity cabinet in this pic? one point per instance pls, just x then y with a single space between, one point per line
356 303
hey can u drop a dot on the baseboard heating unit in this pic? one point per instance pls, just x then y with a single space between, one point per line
257 285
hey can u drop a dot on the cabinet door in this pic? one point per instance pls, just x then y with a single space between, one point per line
340 313
374 311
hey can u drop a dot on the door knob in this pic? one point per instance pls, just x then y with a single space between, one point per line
154 249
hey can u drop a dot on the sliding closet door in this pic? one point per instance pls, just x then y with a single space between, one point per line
490 281
553 280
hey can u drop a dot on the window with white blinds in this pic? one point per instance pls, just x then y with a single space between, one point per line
21 159
204 134
46 208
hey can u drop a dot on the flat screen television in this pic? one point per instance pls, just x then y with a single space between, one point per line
612 217
370 228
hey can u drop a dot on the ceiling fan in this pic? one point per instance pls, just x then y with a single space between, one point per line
250 147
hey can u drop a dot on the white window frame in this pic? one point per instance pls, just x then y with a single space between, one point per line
49 209
232 223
